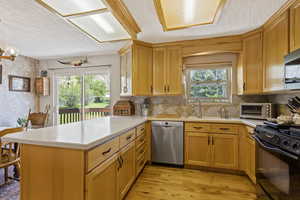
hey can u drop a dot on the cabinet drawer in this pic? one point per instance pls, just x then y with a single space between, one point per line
224 128
126 138
199 127
101 153
140 164
140 151
140 141
140 130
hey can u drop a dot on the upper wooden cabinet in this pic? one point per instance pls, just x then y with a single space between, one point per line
250 66
295 26
167 71
275 47
136 70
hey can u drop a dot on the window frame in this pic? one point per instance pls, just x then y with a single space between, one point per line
189 82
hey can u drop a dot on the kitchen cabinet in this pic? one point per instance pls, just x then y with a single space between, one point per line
251 73
295 26
275 47
167 71
248 153
211 145
42 86
136 70
126 173
224 151
197 149
103 181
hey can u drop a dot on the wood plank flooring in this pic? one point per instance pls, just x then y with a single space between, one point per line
162 183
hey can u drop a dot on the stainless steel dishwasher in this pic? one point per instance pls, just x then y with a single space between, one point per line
167 142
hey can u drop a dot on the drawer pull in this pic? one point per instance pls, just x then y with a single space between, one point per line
106 152
129 137
142 162
197 127
141 151
142 140
142 129
225 129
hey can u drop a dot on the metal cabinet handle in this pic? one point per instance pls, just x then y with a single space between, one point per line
119 163
195 127
225 129
106 152
129 137
142 129
165 88
168 88
122 161
142 162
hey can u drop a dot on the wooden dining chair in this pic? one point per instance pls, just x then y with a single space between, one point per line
39 119
10 153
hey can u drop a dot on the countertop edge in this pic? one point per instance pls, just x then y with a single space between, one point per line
105 139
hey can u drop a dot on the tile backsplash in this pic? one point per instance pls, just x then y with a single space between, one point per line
179 106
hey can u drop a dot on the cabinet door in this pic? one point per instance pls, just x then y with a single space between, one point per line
197 149
224 151
252 64
174 71
142 70
276 46
295 26
126 173
252 171
102 182
129 72
123 75
247 156
159 71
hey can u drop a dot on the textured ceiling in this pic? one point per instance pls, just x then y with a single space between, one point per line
238 16
40 34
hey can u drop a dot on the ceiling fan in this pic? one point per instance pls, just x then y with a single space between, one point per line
74 63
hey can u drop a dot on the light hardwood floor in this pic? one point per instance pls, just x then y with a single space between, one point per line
162 183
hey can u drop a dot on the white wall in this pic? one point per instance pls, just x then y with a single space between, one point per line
113 60
16 104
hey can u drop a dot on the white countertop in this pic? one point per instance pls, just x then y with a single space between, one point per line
80 135
88 134
248 122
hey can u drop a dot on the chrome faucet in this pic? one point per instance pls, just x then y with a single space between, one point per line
223 113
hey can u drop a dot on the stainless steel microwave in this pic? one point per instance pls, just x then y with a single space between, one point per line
292 70
257 110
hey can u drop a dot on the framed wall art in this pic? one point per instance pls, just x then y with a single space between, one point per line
18 83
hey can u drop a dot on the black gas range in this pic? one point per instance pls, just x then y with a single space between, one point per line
278 161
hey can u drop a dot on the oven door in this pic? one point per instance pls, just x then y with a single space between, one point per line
277 172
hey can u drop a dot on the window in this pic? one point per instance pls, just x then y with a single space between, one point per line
209 84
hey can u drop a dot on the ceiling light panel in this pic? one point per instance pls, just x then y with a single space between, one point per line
102 27
73 7
177 14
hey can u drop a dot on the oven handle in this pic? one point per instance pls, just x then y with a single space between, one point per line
274 149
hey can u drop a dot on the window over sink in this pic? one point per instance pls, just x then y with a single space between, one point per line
210 83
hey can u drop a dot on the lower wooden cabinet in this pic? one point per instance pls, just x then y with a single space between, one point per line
103 181
197 149
224 153
251 159
126 173
213 150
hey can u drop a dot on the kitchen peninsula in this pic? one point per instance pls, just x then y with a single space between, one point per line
90 158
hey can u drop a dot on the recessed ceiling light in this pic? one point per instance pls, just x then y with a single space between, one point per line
72 7
102 27
178 14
